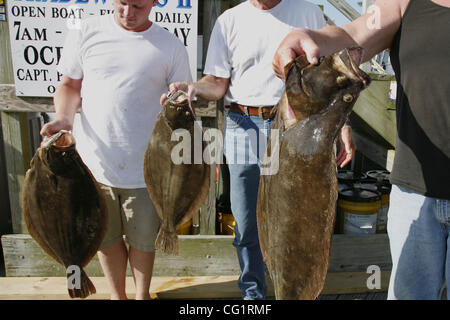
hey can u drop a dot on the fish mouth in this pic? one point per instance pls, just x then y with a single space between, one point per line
347 61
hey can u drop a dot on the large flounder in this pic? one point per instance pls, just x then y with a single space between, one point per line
177 178
64 208
296 205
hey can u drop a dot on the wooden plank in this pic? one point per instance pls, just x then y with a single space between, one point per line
5 211
366 4
355 253
199 256
208 209
370 149
11 103
17 160
353 282
205 109
345 8
207 212
206 287
55 288
374 107
6 68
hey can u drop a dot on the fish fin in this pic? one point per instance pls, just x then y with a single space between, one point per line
167 241
295 95
274 110
300 62
86 287
287 69
293 73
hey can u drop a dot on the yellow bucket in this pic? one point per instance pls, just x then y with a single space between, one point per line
381 179
226 223
185 228
358 211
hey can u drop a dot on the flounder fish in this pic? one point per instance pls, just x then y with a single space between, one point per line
177 184
64 208
296 206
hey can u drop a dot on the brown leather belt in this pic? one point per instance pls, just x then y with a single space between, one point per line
262 112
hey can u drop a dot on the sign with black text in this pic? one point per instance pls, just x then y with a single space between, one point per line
38 29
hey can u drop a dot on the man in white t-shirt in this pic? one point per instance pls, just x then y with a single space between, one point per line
118 66
239 67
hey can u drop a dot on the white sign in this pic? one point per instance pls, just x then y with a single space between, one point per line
181 18
38 29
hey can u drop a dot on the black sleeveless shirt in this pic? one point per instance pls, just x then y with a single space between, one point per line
420 56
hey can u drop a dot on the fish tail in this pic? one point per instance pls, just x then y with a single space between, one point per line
84 288
167 241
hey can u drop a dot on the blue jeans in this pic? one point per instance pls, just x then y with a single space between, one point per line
418 229
244 148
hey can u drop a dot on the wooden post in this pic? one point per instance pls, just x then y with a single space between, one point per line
17 154
366 4
15 137
5 210
5 76
6 68
346 9
211 10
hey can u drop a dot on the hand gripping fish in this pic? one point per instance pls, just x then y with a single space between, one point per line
177 182
296 205
64 208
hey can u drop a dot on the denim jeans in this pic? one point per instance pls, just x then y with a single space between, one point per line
418 229
244 148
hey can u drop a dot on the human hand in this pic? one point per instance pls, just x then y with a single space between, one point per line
187 87
348 147
53 127
296 43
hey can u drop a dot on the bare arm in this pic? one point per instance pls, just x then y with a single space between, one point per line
67 99
211 88
373 31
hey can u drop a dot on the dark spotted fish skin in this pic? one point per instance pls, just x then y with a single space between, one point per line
296 206
64 208
176 189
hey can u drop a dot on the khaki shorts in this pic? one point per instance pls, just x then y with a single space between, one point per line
131 213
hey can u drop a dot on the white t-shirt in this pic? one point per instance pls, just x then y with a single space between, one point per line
124 74
244 41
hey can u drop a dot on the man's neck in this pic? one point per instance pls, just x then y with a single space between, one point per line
265 4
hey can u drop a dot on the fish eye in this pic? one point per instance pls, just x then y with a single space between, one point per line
348 98
321 59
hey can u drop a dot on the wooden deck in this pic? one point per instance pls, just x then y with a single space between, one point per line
206 287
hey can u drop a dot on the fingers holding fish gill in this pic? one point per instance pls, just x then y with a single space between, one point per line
173 87
178 86
297 42
53 127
